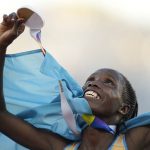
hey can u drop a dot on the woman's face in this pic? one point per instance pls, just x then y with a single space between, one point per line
103 91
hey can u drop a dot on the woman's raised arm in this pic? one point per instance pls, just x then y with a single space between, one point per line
13 127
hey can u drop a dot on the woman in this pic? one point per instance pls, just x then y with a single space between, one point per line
108 93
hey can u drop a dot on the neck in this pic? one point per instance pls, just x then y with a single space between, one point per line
93 139
97 123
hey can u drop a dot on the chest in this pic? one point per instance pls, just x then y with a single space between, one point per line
94 141
118 143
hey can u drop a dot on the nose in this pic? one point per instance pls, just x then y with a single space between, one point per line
93 84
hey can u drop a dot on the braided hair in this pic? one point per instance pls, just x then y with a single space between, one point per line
129 97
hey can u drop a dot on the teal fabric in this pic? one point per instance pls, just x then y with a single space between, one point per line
31 87
31 80
141 120
32 93
124 143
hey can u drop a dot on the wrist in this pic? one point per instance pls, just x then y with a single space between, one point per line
3 47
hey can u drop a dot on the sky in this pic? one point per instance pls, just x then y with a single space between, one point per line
134 11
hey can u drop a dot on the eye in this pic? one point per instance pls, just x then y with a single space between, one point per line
86 84
108 82
90 79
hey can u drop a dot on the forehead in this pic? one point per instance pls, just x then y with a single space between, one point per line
107 73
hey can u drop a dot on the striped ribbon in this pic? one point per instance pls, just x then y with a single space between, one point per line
67 111
96 122
36 34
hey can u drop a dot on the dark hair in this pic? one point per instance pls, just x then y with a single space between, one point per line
129 97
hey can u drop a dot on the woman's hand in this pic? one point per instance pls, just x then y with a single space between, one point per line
10 28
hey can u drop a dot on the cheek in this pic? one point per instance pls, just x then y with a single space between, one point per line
112 104
115 105
106 108
115 94
115 97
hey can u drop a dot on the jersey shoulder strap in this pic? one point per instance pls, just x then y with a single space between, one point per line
73 146
119 143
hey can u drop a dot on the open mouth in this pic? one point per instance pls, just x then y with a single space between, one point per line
91 94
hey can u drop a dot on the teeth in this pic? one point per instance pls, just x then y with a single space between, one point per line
92 94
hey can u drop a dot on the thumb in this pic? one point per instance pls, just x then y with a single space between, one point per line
18 27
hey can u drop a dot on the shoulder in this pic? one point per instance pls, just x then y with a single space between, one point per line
138 138
139 121
137 131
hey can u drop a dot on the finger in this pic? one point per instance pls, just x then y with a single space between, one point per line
20 29
20 22
19 26
11 18
5 18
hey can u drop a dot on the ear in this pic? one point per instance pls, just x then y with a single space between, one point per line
124 109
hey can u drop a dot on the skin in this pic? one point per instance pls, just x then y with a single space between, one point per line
108 84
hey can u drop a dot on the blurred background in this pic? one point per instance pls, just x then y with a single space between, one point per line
85 35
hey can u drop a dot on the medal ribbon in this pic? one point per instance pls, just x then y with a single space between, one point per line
97 123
